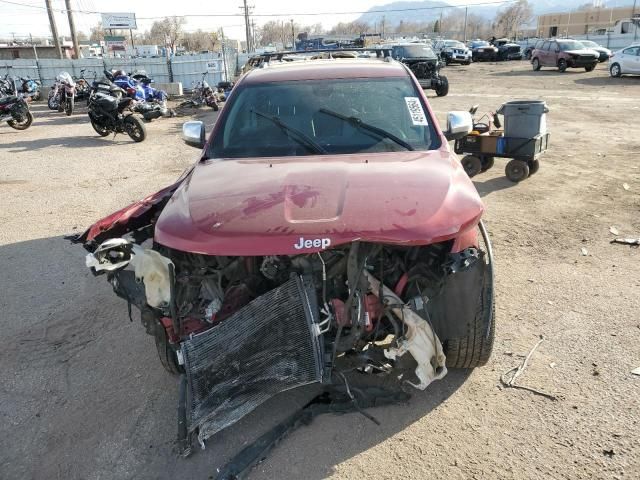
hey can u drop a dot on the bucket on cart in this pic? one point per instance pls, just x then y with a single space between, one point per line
524 118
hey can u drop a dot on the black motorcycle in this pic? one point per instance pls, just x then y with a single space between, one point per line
15 111
107 106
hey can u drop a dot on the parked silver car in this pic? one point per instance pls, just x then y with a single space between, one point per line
625 61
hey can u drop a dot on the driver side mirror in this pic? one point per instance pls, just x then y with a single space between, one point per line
194 134
459 124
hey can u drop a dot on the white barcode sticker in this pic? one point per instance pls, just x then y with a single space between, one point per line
415 111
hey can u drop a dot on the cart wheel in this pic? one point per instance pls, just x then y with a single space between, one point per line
516 170
534 166
472 165
487 163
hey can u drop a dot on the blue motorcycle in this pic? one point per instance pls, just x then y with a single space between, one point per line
30 88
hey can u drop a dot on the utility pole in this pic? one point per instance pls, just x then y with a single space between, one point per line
54 29
440 24
383 21
466 13
254 42
224 57
247 30
635 24
72 28
293 36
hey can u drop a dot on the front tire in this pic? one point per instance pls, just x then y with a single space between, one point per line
443 89
69 104
590 68
535 63
52 102
135 128
475 349
516 170
472 165
615 70
100 130
562 65
24 124
167 355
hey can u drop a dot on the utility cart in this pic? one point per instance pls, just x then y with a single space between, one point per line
523 140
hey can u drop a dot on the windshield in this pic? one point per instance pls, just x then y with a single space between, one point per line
417 51
454 44
479 44
319 117
589 44
570 45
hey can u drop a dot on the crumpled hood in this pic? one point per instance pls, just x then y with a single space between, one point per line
585 51
307 204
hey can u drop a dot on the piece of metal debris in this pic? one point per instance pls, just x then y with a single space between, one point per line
626 186
584 251
636 371
517 371
614 230
626 241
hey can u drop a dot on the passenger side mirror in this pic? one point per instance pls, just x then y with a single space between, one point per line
194 134
459 124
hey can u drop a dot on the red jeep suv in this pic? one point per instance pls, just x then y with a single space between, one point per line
327 228
563 54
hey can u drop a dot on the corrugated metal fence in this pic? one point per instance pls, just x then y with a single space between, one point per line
187 69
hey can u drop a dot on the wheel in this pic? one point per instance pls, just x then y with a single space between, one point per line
102 131
52 102
590 68
215 106
467 63
443 89
615 70
472 165
534 166
536 64
167 355
135 128
516 170
475 349
487 163
22 124
68 108
447 61
562 65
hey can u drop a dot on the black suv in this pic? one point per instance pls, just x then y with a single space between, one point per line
425 65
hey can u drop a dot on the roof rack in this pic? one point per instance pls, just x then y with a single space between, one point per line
381 52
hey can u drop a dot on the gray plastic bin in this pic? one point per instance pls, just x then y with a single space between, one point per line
524 118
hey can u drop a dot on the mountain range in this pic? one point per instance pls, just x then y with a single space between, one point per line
429 10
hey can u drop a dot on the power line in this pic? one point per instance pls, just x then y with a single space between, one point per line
205 15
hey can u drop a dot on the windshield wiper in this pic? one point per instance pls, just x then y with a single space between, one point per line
293 133
356 122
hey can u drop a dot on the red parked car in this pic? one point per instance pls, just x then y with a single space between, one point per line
325 229
563 54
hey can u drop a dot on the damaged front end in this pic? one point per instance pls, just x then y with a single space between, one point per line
244 328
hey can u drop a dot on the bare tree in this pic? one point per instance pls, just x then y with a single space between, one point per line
511 19
349 28
199 40
167 31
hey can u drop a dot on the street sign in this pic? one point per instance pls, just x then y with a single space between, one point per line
119 20
115 43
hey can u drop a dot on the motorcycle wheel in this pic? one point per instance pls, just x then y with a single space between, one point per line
135 128
52 103
24 124
68 108
100 130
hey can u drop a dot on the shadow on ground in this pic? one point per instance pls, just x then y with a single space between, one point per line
492 185
85 385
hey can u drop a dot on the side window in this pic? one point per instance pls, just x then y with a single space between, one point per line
631 51
539 44
545 46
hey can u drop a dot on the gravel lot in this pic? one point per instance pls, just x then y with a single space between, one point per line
83 395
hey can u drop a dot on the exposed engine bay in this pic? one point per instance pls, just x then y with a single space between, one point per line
243 329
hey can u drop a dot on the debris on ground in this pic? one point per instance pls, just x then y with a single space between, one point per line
636 371
517 371
614 230
609 453
584 251
626 241
626 186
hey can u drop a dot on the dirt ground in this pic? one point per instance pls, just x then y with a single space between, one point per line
83 395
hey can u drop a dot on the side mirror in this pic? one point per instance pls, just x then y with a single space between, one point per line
193 134
459 124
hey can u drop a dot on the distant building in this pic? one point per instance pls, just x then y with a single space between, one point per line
14 52
581 22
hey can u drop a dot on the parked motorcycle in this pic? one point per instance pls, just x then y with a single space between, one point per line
15 111
107 106
62 94
30 88
202 94
224 89
149 102
7 86
83 89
